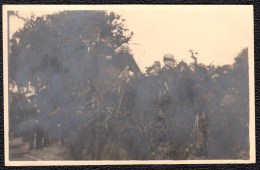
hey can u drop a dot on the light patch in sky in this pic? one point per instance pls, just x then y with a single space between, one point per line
217 33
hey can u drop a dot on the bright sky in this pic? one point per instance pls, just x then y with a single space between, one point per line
217 33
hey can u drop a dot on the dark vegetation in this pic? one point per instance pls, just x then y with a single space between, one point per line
53 97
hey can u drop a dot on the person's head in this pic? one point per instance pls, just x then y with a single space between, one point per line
125 48
155 68
169 60
157 65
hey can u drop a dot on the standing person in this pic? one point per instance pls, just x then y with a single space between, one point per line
167 74
169 62
125 62
124 58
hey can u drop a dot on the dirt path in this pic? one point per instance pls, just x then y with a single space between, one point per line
19 151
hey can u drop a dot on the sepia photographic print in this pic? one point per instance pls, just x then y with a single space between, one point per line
128 84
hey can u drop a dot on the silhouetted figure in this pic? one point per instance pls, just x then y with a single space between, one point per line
124 58
125 62
166 75
155 69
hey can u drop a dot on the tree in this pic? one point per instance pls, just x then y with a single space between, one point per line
54 54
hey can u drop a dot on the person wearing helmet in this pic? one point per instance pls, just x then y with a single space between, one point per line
124 48
167 75
125 62
168 69
169 61
124 58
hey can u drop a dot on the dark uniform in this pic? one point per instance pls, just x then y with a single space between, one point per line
121 60
165 98
125 62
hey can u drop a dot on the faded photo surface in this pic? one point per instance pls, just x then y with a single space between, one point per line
129 83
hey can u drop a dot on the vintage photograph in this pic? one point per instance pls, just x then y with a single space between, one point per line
128 84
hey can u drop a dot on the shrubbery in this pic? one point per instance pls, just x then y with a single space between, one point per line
51 91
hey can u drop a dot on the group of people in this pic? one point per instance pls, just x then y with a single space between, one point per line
116 74
127 71
116 82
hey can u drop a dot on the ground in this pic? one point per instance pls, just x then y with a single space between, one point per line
19 151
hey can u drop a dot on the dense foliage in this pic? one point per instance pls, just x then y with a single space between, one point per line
53 93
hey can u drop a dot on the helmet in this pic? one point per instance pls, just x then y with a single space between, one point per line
125 47
168 57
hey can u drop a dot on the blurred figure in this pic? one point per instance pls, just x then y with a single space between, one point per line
169 61
124 58
168 70
166 75
155 69
125 62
